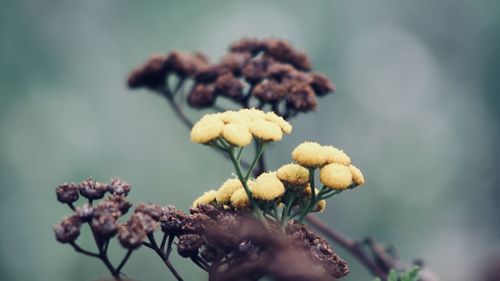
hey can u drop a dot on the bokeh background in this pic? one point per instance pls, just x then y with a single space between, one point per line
417 108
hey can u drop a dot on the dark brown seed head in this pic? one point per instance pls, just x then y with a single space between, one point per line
202 96
279 71
152 210
132 234
68 229
120 202
172 220
229 86
301 97
282 51
256 70
189 245
118 186
92 189
269 91
250 45
85 212
107 208
321 84
209 74
105 225
185 64
235 62
67 193
151 74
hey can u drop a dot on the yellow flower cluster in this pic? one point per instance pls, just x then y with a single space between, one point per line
238 128
207 198
336 171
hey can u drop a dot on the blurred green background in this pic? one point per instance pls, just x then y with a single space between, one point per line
417 109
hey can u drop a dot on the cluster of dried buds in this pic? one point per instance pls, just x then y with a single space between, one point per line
272 71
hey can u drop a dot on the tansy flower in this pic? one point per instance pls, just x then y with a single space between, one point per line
207 198
233 117
309 154
267 187
335 155
320 206
335 176
357 176
206 130
240 199
227 189
237 134
284 125
293 174
265 130
253 113
308 191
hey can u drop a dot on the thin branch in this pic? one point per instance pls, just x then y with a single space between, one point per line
165 260
124 260
83 251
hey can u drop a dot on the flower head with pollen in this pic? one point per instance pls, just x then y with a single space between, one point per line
234 117
266 130
267 187
227 189
284 125
293 174
207 130
239 199
253 113
335 155
357 176
309 154
207 198
237 134
335 176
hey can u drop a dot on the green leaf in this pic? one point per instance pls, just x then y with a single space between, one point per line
412 274
393 276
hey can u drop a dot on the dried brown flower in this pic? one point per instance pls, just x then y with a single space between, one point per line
92 190
250 45
189 245
150 75
67 193
201 96
120 202
105 225
68 229
256 69
301 97
118 186
321 84
132 234
229 86
152 210
270 91
85 212
185 64
172 220
235 62
282 51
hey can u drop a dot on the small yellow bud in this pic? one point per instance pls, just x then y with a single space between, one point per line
309 154
320 206
265 130
267 187
335 155
284 125
207 198
293 174
237 134
335 176
206 130
357 176
227 189
240 199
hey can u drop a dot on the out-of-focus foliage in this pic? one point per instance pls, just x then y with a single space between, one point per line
416 106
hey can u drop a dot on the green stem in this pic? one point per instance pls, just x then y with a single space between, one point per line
258 153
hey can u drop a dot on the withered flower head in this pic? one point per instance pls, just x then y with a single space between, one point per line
118 186
149 224
152 210
189 245
133 233
185 64
68 229
269 91
85 212
67 193
150 75
251 45
235 62
283 51
105 225
172 220
256 70
120 202
108 207
301 97
92 189
201 96
229 86
321 84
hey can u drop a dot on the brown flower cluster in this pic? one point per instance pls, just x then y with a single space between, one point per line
271 71
221 237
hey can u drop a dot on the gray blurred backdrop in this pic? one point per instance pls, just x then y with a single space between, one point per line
417 109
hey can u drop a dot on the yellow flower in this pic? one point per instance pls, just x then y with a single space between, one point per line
206 130
308 191
309 154
233 117
357 176
227 189
253 113
207 198
267 187
237 134
320 206
293 174
284 125
265 130
335 155
240 199
335 176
